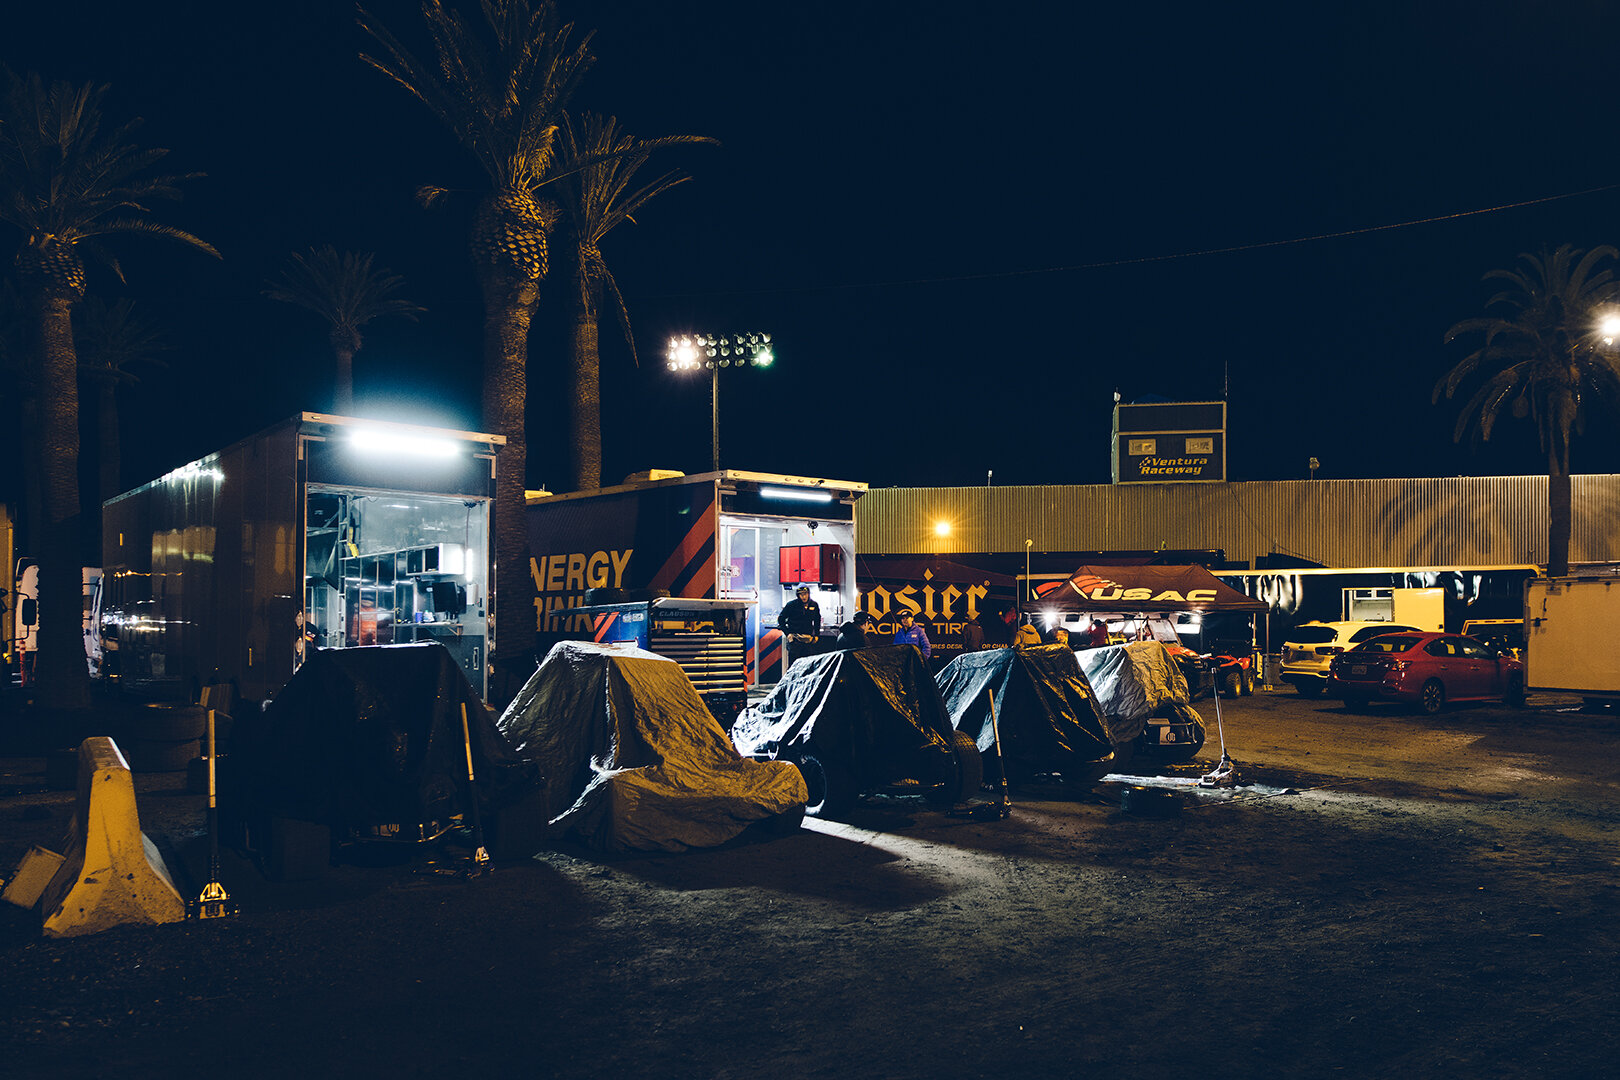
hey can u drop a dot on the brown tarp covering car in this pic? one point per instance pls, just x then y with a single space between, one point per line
1046 712
637 761
367 739
872 714
1143 588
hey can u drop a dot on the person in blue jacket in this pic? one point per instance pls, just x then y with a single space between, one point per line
910 633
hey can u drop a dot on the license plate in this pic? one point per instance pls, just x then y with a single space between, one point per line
1168 735
1358 669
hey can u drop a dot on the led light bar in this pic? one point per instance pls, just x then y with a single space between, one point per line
801 494
372 440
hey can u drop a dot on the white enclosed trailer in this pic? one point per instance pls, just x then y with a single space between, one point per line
1570 627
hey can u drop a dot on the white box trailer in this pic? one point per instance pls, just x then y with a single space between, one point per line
1422 608
1570 627
320 532
750 539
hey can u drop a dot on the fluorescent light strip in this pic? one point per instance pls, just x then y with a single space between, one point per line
795 493
371 440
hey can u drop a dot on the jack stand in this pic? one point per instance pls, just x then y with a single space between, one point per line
215 902
480 856
1224 774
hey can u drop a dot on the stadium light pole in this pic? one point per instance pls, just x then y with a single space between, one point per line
695 352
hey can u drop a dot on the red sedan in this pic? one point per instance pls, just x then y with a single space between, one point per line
1426 669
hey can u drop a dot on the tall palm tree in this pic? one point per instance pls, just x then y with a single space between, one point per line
597 162
112 339
501 90
66 184
348 293
1543 358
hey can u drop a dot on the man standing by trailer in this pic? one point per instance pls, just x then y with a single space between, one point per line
800 623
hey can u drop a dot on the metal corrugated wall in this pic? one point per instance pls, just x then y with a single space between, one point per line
1461 521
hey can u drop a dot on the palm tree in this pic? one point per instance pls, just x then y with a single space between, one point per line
501 91
346 292
111 340
1542 358
595 199
66 183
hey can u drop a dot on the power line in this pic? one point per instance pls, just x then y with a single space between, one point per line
1144 259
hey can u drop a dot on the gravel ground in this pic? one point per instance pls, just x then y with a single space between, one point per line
1386 894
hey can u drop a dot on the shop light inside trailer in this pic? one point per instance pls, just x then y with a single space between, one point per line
800 494
372 440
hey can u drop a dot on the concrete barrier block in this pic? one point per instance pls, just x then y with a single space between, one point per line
36 871
111 874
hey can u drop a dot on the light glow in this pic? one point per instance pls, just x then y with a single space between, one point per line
942 528
374 440
1609 327
800 494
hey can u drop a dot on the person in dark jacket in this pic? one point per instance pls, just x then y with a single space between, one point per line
852 635
801 616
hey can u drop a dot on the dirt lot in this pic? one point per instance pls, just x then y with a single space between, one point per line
1389 895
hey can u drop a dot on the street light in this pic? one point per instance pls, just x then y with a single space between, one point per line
1609 326
691 352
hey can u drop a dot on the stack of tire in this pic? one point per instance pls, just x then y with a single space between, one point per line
164 738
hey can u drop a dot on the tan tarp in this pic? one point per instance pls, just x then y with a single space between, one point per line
634 758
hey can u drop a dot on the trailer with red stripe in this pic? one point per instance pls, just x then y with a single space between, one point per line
634 551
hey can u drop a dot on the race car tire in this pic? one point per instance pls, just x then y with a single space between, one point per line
832 790
965 774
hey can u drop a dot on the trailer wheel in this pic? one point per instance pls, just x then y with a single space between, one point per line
170 723
832 791
965 775
1232 682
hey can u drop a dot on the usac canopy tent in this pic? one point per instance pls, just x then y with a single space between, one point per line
1045 709
637 761
1143 588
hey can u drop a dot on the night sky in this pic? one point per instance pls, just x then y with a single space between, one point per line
964 228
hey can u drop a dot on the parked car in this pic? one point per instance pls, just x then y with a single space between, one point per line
1310 647
1426 669
1506 634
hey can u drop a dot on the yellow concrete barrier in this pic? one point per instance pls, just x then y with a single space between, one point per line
111 874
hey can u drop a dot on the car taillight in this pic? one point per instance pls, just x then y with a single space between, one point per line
1329 650
1401 665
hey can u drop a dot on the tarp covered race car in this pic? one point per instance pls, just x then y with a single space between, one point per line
1141 603
1046 714
368 742
859 720
1140 688
637 761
